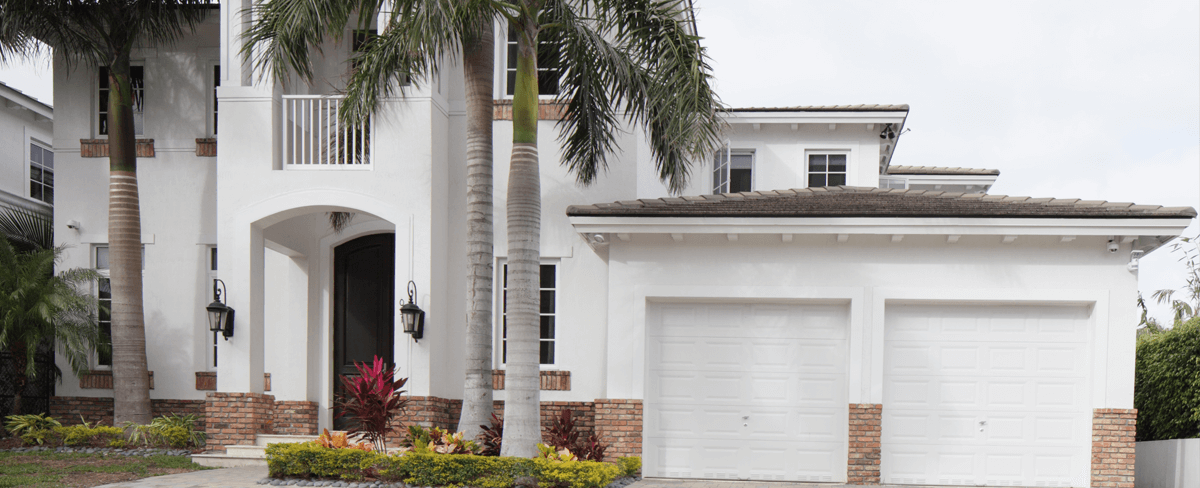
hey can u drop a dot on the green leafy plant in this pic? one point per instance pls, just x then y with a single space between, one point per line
1166 388
491 437
552 453
629 466
438 441
564 434
171 430
75 435
373 401
19 425
37 436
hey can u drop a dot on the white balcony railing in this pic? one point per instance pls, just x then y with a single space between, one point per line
314 138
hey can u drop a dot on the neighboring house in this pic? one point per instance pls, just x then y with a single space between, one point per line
26 152
789 317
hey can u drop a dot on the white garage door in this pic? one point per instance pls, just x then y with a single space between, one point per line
995 395
746 391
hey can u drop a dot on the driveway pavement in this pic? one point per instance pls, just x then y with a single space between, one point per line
248 477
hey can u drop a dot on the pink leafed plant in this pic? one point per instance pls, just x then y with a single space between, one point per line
373 401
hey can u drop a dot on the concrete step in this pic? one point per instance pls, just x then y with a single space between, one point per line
264 439
219 460
246 451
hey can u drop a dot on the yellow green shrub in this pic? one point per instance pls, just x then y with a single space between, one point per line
629 466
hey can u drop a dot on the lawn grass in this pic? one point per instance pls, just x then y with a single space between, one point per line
53 469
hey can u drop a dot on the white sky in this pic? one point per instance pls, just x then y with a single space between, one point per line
1067 98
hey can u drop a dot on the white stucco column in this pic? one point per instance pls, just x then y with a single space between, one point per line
235 70
240 359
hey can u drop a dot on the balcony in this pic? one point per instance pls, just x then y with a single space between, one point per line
314 139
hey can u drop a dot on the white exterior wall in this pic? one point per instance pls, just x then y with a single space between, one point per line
178 203
867 272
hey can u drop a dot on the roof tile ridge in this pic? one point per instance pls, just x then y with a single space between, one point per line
1114 205
1063 201
631 203
694 198
1185 211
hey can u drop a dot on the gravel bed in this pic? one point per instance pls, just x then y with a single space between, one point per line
106 451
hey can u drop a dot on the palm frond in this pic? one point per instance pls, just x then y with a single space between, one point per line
287 33
26 229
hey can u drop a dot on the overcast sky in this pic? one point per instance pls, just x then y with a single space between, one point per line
1068 99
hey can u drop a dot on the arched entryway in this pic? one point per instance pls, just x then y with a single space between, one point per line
364 302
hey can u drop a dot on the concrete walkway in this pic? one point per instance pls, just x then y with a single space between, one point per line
247 477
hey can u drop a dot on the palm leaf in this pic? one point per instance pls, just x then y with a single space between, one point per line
26 229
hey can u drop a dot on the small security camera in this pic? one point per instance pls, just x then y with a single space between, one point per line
74 224
598 238
1113 246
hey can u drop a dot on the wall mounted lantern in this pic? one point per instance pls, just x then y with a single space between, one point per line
411 316
220 316
887 133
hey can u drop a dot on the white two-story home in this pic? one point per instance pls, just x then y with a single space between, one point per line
26 152
807 309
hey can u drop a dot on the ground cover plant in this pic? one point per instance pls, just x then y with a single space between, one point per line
53 469
168 431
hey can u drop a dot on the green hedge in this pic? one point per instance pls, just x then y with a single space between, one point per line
422 469
1167 383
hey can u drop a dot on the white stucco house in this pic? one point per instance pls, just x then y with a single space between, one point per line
806 310
26 152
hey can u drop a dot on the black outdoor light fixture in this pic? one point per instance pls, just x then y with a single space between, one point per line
220 316
411 315
887 133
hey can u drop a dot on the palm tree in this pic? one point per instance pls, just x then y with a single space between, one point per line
103 34
622 61
37 307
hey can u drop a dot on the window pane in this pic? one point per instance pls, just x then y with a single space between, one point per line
837 179
816 162
35 190
837 162
739 180
512 56
103 101
102 257
817 180
48 158
35 153
547 327
741 161
48 177
48 195
546 301
547 276
511 83
35 173
213 265
103 77
505 273
546 352
104 302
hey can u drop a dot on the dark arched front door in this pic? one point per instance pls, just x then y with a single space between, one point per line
364 304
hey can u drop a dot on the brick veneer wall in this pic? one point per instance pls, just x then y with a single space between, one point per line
295 418
862 466
1113 453
238 418
619 423
69 410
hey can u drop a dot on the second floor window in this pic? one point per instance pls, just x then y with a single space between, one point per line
733 171
137 84
549 53
41 172
826 170
216 83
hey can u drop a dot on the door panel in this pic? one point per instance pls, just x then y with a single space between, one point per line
364 306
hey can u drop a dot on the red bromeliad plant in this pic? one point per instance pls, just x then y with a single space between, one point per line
562 434
373 401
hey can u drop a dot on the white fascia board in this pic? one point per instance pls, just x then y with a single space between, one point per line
27 102
814 117
887 226
946 179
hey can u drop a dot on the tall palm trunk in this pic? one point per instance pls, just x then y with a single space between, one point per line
20 378
478 63
522 426
131 382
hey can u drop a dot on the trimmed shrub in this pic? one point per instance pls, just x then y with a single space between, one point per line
307 459
629 466
1166 384
85 435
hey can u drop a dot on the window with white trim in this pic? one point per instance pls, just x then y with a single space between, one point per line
137 84
733 171
547 312
41 171
212 277
104 304
549 54
892 182
216 83
827 169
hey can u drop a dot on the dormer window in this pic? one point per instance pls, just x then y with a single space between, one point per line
827 169
549 53
733 171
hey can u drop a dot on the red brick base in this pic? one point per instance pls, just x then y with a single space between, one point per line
862 466
295 418
73 410
619 423
238 418
1113 436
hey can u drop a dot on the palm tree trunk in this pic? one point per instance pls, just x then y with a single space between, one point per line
20 378
131 382
522 426
478 63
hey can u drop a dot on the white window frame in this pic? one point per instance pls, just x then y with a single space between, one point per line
725 165
498 336
96 108
211 260
212 72
501 81
889 181
34 136
104 275
827 152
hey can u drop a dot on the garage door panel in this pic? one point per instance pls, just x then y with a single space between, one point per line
985 395
765 382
